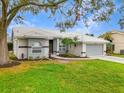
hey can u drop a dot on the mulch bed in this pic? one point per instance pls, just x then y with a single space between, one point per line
15 63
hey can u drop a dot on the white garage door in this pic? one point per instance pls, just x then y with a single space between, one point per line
94 49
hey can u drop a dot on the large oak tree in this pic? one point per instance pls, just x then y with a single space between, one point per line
70 12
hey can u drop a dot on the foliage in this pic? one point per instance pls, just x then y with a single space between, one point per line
12 56
109 49
69 55
14 9
76 11
118 55
107 36
69 41
10 46
71 12
86 76
121 21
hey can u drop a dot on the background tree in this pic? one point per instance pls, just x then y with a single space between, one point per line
121 11
107 36
69 12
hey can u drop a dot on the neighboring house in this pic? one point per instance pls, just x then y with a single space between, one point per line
39 43
118 41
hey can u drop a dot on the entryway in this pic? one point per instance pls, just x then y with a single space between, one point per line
50 46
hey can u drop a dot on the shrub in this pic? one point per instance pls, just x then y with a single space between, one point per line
12 56
68 55
10 46
110 49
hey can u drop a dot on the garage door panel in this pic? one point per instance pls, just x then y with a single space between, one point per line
94 49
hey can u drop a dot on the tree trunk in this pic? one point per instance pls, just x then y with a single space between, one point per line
3 47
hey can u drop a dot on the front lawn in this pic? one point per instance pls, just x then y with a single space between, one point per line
88 76
118 55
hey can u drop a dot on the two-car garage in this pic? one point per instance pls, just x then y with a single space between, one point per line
94 49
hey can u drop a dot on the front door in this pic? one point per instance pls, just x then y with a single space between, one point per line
51 46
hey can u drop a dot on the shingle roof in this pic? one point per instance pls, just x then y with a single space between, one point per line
21 32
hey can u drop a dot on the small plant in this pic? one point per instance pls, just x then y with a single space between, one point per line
110 49
69 41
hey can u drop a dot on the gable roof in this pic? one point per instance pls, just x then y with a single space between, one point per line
21 32
34 33
117 32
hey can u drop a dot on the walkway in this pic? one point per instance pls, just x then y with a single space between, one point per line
64 58
110 58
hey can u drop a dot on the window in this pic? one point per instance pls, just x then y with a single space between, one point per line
113 47
36 51
36 47
36 44
63 49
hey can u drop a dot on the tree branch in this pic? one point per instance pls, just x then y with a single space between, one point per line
3 19
36 4
11 14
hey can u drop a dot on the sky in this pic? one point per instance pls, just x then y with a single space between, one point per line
42 21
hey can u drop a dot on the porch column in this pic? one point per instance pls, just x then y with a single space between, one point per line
83 50
104 49
56 46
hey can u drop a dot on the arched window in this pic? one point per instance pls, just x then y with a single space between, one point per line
36 44
36 47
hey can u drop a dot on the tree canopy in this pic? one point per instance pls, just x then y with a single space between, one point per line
70 11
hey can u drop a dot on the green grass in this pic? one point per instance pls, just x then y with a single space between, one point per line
118 55
89 76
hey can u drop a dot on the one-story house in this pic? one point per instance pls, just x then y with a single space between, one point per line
39 43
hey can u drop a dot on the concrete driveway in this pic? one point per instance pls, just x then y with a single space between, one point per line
110 58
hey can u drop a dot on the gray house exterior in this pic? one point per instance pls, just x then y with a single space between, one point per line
33 43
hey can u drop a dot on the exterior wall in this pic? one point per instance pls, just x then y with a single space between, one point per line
44 48
118 41
83 51
19 50
15 46
56 46
104 49
25 46
76 50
